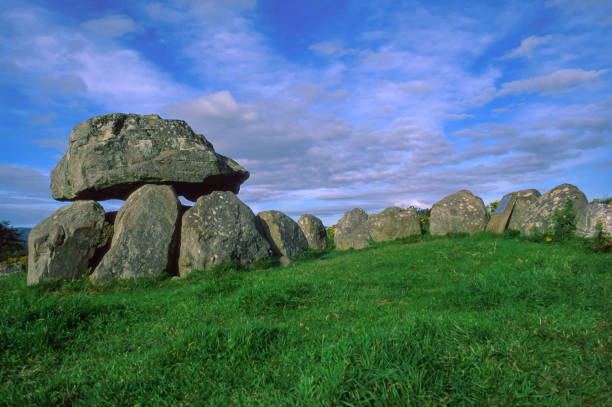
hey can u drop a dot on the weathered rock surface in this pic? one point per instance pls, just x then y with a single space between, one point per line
283 233
501 216
523 199
394 223
314 231
539 216
111 156
145 236
590 215
63 245
352 230
461 212
10 268
219 228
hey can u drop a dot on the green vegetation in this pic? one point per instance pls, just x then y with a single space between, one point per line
12 244
467 320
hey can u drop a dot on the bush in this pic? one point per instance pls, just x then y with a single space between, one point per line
564 222
12 244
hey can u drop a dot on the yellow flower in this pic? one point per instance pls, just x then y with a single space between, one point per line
548 239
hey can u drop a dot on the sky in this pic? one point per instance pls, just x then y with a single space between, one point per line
331 105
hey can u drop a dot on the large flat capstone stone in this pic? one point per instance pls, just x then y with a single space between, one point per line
111 156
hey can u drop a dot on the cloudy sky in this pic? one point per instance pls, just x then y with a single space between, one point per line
330 105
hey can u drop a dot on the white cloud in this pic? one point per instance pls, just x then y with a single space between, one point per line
110 26
558 81
527 46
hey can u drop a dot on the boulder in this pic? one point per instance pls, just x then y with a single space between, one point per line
219 228
314 231
352 231
501 216
539 217
283 233
522 200
10 268
461 212
111 156
145 236
394 223
63 245
592 214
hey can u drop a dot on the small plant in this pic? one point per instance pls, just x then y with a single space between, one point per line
424 218
331 233
601 241
564 222
491 207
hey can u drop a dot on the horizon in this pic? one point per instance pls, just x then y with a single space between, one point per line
330 107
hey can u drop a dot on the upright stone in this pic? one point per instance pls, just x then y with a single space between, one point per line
523 199
314 231
394 223
539 217
111 156
219 228
352 231
499 219
590 216
145 236
461 212
283 233
63 245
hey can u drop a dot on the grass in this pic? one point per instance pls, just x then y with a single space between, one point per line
478 320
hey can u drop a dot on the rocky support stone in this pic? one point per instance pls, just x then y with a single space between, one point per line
523 199
10 268
63 245
352 231
145 236
539 217
592 214
499 219
111 156
394 223
220 228
461 212
314 231
283 233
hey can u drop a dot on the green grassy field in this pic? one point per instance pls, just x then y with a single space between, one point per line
478 320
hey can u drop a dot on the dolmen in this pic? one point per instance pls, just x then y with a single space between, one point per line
149 162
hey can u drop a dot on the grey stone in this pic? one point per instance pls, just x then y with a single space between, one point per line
63 245
592 214
394 223
523 199
11 268
539 217
285 261
111 156
499 219
145 236
314 231
283 233
461 212
220 228
352 231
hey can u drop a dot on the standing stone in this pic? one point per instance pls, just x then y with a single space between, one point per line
283 233
111 156
220 228
394 223
592 214
523 199
540 215
352 231
314 231
63 245
145 234
10 268
461 212
501 216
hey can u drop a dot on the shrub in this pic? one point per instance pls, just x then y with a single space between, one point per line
12 244
564 222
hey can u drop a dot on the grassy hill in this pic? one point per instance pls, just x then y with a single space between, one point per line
478 320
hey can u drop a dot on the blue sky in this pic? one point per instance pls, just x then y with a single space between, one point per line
330 105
